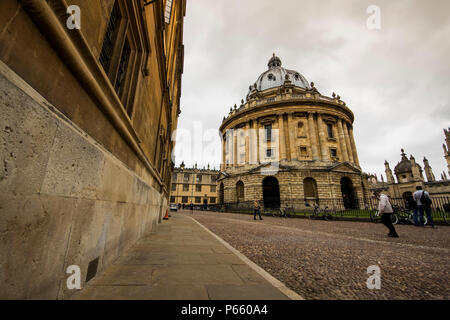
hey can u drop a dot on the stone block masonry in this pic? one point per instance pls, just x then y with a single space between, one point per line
64 199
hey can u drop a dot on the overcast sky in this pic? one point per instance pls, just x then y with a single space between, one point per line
396 80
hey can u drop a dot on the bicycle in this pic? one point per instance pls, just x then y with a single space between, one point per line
404 216
286 212
325 215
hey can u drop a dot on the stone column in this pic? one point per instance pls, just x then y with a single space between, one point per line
342 142
313 137
352 142
282 141
347 142
247 143
292 137
253 143
258 161
322 138
223 165
235 148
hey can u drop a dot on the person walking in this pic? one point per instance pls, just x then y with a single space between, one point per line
385 209
256 210
423 201
191 206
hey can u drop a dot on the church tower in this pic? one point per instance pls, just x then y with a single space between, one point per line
447 148
428 171
389 175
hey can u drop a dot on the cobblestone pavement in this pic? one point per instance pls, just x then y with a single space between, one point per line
329 259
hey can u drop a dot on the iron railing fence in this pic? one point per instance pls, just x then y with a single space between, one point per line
358 208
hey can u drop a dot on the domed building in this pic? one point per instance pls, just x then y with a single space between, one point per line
287 144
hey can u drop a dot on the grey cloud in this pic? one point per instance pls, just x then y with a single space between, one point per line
396 80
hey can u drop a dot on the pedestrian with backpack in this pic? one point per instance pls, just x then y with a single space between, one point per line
423 201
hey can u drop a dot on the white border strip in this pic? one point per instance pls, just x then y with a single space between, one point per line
276 283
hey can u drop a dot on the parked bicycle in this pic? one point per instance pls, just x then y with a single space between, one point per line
285 212
320 213
404 216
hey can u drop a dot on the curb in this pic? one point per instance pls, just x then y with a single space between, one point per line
273 281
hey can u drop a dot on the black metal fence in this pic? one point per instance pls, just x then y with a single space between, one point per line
356 208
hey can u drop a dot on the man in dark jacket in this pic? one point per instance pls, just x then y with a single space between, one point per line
420 197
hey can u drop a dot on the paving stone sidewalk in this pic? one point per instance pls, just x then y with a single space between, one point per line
181 260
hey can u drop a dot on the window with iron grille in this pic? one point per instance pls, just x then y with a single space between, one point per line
168 11
110 38
213 189
123 65
174 187
184 199
212 200
198 199
198 188
185 187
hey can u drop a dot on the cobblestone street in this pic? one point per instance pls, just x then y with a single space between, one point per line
329 259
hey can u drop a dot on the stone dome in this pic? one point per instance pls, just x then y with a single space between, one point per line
276 75
404 166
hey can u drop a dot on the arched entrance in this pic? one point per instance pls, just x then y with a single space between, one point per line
221 194
348 193
271 192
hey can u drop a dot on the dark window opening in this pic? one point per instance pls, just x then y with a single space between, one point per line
268 130
333 153
110 37
330 130
123 66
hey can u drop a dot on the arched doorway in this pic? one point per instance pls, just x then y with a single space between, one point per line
271 192
221 194
240 191
348 193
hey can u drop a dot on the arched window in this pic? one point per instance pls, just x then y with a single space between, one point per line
240 191
310 188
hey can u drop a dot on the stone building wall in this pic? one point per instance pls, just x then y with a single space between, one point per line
84 168
291 186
